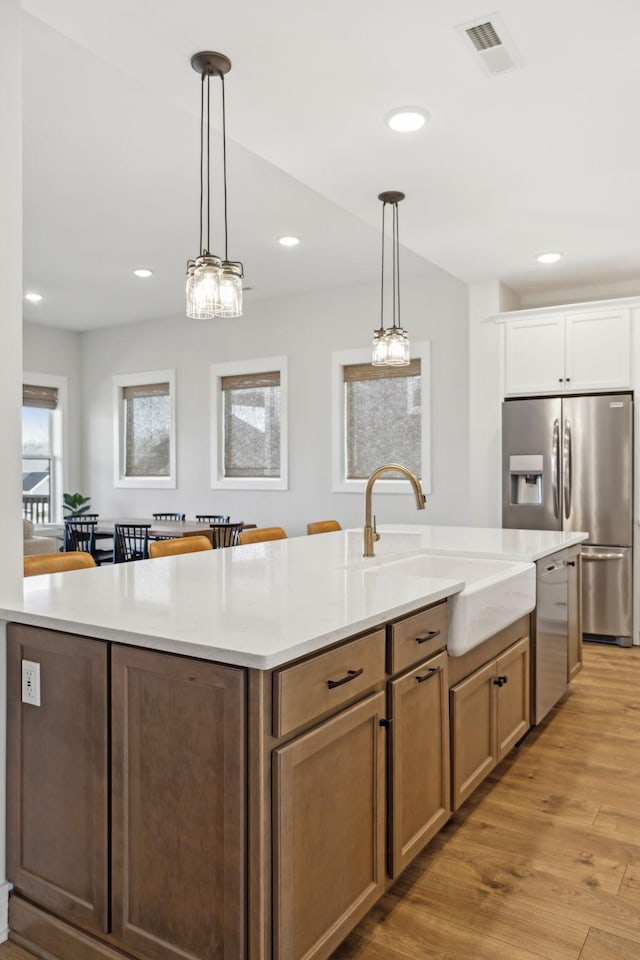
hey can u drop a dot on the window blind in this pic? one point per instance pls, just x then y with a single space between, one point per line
383 418
251 416
146 390
44 397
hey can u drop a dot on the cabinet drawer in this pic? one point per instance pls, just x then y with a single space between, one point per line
417 637
320 684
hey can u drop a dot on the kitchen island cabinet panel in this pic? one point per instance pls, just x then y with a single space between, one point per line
179 806
473 732
57 759
513 697
329 837
419 759
490 713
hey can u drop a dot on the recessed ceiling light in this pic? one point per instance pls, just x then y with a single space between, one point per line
407 119
33 297
289 241
549 257
143 272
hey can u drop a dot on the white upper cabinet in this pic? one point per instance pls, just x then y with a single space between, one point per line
570 352
534 355
598 350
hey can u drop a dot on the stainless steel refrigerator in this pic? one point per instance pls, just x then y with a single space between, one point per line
567 464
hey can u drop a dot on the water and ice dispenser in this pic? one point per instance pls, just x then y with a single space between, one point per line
525 478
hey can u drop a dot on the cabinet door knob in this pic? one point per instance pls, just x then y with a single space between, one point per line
351 675
427 675
500 681
560 380
427 636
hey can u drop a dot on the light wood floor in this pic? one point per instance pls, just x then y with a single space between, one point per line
543 861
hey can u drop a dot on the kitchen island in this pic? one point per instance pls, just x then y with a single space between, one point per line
219 733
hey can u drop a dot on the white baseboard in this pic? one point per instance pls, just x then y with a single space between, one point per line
5 887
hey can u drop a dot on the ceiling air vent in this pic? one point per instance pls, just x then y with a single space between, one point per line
491 46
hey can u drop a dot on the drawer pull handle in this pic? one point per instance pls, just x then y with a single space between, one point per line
426 676
500 681
351 675
427 636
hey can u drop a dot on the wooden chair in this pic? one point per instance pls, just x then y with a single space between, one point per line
260 534
323 526
170 516
225 534
211 518
57 562
131 542
170 548
80 534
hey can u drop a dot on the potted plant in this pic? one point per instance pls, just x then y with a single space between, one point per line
74 504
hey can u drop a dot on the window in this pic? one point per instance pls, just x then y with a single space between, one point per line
43 406
249 441
145 429
380 415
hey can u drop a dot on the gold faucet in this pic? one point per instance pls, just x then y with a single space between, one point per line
370 532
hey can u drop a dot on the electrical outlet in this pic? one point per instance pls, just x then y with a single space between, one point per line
31 682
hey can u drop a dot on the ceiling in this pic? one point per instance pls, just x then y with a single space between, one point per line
544 157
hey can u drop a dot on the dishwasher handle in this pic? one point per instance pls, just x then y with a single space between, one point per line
599 557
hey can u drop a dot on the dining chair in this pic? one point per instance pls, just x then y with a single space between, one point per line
212 518
170 548
131 542
225 534
170 516
57 562
80 534
323 526
260 534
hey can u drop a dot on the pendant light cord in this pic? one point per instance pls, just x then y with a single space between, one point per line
208 164
382 273
224 170
396 266
394 214
201 159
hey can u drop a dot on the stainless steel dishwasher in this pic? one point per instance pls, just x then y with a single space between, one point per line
551 633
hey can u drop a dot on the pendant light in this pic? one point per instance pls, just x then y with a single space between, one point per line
391 345
214 285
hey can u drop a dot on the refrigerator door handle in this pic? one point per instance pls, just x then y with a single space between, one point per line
592 557
555 456
566 468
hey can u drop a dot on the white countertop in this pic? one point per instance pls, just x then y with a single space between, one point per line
493 543
262 605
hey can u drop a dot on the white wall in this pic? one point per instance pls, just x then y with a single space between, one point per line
306 329
11 362
51 351
485 398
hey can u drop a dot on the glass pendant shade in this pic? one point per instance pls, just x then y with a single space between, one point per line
203 287
391 348
397 344
379 356
230 290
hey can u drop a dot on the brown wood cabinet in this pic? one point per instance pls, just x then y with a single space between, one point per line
419 773
178 808
57 775
490 712
178 817
329 830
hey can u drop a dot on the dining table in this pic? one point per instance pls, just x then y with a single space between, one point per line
158 529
